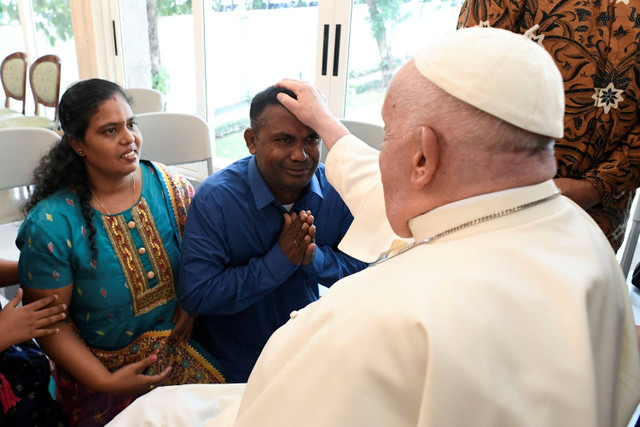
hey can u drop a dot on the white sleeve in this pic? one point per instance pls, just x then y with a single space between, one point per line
352 169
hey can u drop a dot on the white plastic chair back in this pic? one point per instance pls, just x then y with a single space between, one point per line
145 100
22 149
370 133
175 139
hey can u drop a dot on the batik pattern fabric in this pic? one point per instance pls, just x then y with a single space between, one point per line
595 45
123 299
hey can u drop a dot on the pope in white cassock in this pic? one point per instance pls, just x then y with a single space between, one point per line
508 309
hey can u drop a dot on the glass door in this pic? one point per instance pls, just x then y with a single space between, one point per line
11 32
250 45
215 55
38 28
157 38
54 35
385 34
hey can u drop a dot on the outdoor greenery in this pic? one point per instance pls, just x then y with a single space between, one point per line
9 12
160 80
52 17
383 14
232 146
227 128
174 7
365 87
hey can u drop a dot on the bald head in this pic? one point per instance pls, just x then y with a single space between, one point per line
440 148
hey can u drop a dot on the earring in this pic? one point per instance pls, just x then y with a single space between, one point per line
81 153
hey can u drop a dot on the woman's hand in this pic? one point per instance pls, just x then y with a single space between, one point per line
184 326
19 324
72 355
130 379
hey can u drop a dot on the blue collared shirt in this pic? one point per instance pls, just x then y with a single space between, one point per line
233 273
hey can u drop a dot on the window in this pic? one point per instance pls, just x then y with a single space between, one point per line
249 47
10 29
375 56
43 29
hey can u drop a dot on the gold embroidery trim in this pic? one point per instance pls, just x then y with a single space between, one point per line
171 194
144 299
189 365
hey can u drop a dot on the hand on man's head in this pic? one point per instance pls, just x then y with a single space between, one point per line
312 109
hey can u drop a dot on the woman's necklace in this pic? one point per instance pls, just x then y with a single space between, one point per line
465 225
133 195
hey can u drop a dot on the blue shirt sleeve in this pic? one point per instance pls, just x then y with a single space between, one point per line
330 264
45 249
208 282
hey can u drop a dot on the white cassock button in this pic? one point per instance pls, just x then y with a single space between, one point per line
293 314
150 275
131 224
141 251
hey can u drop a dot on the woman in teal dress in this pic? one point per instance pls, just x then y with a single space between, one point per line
103 232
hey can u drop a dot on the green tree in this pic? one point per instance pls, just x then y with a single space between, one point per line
53 18
156 8
256 4
174 7
383 14
8 12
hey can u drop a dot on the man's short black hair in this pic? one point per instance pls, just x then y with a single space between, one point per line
261 101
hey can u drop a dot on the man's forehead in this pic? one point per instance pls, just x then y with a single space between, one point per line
276 109
277 119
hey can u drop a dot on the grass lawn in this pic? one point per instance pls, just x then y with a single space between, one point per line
232 146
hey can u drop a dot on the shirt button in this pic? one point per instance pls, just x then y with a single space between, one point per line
141 251
131 224
150 275
293 314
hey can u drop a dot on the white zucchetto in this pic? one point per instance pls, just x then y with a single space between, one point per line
501 73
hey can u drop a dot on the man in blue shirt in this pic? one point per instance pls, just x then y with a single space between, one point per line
260 236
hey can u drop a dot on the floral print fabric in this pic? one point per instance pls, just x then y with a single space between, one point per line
595 45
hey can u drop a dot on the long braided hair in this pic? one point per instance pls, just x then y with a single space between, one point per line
62 167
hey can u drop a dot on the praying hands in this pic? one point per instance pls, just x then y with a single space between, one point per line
297 239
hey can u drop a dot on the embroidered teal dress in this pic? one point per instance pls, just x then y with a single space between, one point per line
123 300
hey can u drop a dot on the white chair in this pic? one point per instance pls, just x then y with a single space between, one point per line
177 139
145 100
370 133
22 149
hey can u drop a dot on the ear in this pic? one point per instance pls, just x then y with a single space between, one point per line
424 161
76 145
250 139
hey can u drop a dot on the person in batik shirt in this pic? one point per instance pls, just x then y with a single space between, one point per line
595 45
